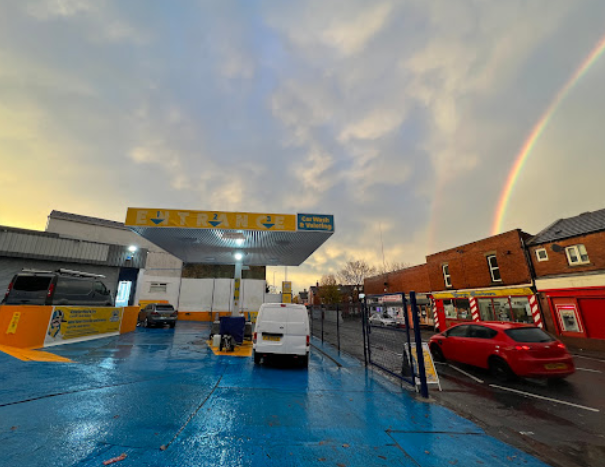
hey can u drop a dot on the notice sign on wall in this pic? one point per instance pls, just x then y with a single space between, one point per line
70 323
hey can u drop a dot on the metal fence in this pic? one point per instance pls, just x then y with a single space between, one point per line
341 326
393 339
369 332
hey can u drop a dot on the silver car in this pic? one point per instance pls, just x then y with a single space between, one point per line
158 314
382 319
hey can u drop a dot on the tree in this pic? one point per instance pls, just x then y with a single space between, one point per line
391 266
328 290
353 273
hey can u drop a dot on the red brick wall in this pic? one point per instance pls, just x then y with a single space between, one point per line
406 280
557 263
468 263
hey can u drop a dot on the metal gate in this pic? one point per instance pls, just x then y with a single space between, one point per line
392 340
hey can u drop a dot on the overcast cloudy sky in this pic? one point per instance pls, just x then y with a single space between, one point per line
405 115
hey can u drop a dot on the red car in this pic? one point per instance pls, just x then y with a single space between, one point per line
506 349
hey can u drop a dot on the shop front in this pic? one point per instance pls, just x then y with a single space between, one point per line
517 305
577 315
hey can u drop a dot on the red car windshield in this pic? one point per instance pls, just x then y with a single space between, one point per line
529 335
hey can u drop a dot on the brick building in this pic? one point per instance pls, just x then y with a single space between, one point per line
412 279
568 258
486 280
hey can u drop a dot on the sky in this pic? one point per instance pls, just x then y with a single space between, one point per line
401 118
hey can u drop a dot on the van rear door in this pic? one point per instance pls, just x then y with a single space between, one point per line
272 326
297 330
29 290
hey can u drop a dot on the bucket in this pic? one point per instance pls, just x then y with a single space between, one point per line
216 340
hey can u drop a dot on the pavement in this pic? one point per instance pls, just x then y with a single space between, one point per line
163 398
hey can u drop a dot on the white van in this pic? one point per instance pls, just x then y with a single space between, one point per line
282 329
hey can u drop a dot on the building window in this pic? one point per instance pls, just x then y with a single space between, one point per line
521 310
486 310
577 254
446 275
541 254
158 287
494 270
450 311
463 307
502 309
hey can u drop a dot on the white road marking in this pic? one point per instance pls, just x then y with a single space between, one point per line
589 358
557 401
467 374
588 369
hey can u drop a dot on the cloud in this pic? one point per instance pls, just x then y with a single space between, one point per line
350 36
400 115
372 126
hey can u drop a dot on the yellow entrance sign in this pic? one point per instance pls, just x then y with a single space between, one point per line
151 217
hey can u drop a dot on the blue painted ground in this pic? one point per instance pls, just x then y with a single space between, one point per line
135 393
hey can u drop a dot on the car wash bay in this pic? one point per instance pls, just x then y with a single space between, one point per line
154 388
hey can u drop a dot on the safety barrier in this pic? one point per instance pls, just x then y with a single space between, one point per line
32 327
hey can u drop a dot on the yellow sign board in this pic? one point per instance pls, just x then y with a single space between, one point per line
286 287
67 323
429 366
12 327
286 298
236 287
151 217
484 293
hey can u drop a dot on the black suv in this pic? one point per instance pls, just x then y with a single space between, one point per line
61 287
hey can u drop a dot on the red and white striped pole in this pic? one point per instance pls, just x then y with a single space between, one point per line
474 310
535 311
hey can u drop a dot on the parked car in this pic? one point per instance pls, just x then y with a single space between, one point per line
282 329
158 314
382 319
506 349
61 287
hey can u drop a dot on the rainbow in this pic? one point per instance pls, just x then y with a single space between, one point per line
537 131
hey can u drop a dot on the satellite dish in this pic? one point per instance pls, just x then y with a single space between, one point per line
556 248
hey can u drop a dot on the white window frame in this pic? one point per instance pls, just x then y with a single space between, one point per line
447 277
158 287
493 268
580 250
541 250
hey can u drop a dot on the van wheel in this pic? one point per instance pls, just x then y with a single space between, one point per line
257 358
500 369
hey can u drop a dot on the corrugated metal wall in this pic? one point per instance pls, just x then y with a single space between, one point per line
17 242
34 245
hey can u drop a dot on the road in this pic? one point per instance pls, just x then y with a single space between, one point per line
563 423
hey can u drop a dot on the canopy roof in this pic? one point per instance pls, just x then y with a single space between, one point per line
215 236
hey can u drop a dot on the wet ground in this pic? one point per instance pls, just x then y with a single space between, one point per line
562 424
162 397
